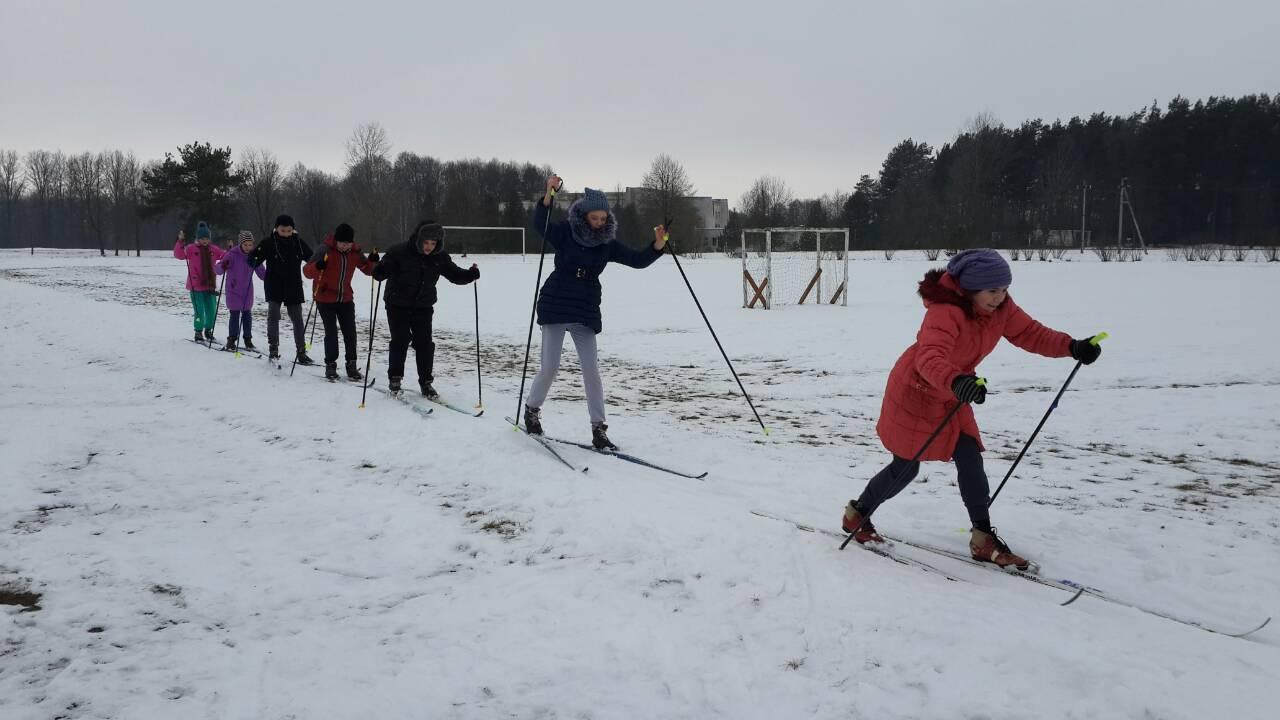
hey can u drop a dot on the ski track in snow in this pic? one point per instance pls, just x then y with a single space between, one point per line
213 539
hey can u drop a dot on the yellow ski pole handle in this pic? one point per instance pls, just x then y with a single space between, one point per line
1097 339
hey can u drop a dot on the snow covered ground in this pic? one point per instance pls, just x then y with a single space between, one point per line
211 538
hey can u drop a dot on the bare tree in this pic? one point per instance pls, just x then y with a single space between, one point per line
46 172
767 201
123 174
667 182
315 195
262 184
368 182
86 183
12 183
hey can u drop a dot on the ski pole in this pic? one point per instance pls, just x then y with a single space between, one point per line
533 310
373 321
216 304
915 458
1095 340
304 330
479 383
311 341
667 226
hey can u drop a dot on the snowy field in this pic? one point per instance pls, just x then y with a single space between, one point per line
211 538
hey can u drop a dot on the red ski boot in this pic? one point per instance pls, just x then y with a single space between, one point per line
988 547
861 530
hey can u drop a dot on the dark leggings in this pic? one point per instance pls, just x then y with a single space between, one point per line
969 474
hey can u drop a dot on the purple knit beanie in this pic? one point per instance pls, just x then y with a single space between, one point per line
980 270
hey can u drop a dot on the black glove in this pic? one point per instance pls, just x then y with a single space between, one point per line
374 257
475 273
968 390
321 263
1085 351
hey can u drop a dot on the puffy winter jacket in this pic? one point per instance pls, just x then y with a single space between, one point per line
238 287
411 276
951 342
333 283
284 258
571 293
191 253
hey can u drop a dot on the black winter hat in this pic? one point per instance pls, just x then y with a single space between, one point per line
284 220
344 233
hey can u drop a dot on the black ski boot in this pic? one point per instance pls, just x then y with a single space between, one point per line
429 392
393 386
273 352
248 343
231 344
199 336
599 440
208 336
533 420
303 358
330 371
353 373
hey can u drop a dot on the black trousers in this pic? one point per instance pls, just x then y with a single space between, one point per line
335 315
970 475
411 325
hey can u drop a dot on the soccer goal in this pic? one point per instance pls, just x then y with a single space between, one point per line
485 239
794 266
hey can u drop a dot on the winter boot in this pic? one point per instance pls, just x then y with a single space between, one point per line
303 358
986 546
599 440
231 345
248 343
857 525
199 336
273 352
429 392
353 373
208 335
330 371
394 385
532 420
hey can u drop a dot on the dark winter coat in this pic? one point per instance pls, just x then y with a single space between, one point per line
333 283
571 293
411 276
284 258
951 342
238 290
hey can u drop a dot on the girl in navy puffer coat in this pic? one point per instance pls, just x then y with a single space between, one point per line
570 298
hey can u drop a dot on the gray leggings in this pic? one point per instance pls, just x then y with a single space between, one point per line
273 324
584 339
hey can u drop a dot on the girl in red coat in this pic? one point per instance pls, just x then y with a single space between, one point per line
967 311
331 269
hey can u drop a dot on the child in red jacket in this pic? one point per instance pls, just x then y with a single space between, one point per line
967 311
331 269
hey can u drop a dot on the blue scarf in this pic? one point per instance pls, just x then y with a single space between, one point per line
584 235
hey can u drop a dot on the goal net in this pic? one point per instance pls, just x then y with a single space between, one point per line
795 266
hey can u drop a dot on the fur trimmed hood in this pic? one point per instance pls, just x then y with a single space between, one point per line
939 288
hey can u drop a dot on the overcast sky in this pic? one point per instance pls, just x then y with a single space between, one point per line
813 92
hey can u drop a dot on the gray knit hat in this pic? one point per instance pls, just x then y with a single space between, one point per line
593 200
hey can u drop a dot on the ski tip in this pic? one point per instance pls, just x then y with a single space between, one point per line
703 476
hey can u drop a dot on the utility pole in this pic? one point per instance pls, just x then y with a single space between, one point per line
1084 203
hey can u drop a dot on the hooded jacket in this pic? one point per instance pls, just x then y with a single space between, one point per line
571 293
951 342
191 253
411 276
